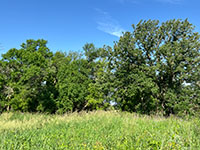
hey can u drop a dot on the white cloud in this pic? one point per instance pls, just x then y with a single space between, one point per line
111 28
107 24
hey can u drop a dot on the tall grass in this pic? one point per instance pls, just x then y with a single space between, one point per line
97 130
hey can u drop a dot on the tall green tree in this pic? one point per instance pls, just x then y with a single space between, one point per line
152 65
99 88
2 84
27 73
73 81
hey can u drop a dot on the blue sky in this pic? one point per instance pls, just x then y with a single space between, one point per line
69 24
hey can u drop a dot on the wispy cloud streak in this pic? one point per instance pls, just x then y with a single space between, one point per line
111 28
107 24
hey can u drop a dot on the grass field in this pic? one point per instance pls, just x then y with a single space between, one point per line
97 130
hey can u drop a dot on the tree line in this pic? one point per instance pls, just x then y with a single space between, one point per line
153 69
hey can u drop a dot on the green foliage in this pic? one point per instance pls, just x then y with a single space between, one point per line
27 72
73 82
2 83
152 65
97 130
99 88
154 69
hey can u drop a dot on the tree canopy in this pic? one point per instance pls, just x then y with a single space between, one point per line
156 67
153 69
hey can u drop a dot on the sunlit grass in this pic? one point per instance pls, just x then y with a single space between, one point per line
97 130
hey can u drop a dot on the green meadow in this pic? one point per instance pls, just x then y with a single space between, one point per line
98 130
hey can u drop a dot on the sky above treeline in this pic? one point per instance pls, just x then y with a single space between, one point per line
69 24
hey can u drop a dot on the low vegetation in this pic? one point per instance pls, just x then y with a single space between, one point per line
97 130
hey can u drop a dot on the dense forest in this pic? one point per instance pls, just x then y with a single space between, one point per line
153 69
